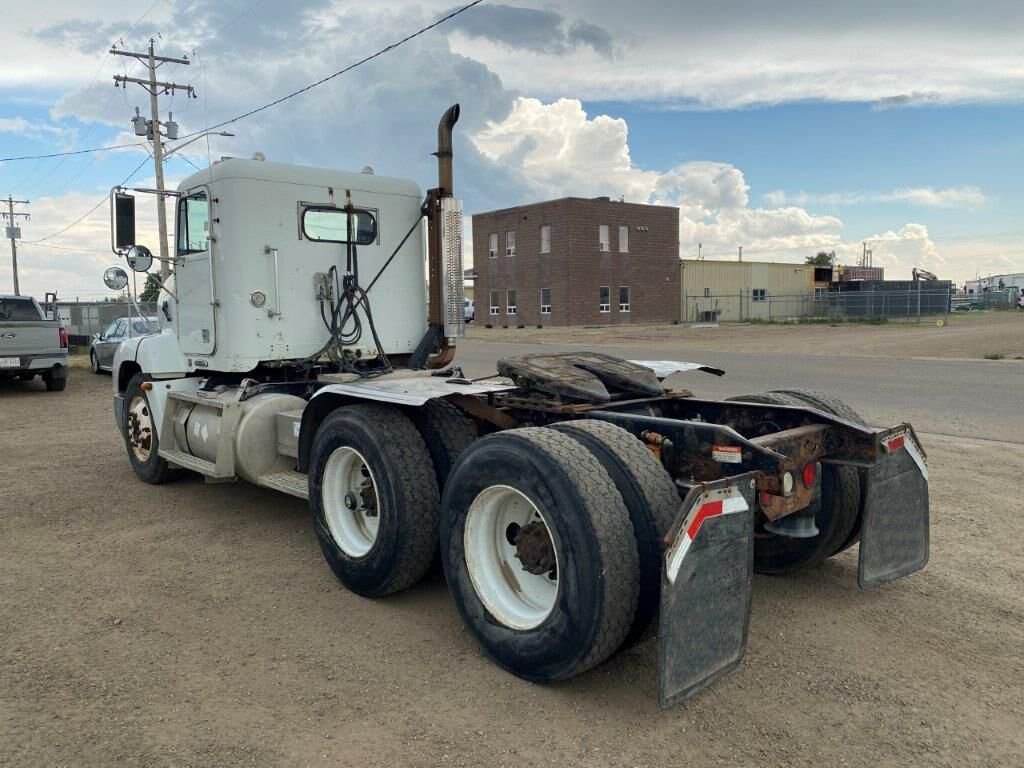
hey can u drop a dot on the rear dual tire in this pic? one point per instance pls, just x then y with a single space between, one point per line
580 541
837 516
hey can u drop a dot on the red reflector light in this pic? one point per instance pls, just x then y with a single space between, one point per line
809 474
63 338
895 444
766 499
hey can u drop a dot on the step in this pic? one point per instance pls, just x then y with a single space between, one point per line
291 482
188 461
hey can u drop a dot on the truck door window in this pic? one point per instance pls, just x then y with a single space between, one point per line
193 223
336 225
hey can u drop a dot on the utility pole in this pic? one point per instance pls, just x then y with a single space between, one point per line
151 129
14 232
741 253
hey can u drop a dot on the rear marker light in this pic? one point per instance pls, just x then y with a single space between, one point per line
809 474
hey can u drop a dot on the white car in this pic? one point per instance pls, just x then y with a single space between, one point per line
470 311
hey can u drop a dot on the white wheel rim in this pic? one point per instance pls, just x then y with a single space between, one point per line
140 428
514 596
351 502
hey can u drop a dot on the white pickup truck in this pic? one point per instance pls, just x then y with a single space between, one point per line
30 344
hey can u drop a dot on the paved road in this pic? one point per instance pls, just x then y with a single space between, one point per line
980 399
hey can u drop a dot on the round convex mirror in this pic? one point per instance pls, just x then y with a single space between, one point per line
139 258
115 278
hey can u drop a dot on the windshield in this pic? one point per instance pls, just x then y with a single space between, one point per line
18 309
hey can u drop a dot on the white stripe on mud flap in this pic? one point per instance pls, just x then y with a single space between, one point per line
906 440
713 504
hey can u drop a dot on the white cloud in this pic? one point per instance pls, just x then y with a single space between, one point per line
965 196
558 150
23 127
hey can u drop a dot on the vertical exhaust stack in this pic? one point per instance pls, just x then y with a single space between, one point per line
446 315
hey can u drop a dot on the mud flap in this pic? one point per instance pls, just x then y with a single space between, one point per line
894 532
706 588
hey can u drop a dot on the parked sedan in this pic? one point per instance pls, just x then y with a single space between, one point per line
104 345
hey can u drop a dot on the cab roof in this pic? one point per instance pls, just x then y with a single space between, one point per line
283 173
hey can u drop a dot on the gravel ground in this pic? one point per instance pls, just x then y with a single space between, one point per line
197 625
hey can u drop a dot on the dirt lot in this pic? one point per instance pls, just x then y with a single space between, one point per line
197 625
969 336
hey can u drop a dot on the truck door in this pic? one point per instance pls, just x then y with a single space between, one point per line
194 275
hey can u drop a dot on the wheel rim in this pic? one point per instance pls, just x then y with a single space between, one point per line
351 502
140 428
504 537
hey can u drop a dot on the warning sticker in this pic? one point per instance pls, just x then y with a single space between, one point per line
727 454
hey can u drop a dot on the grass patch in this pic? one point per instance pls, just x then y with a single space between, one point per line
995 356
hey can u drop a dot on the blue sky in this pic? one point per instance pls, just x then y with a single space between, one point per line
784 128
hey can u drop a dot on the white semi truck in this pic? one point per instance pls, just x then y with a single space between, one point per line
577 502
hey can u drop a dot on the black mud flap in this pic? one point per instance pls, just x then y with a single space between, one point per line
894 532
706 588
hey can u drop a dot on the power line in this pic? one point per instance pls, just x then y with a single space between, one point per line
243 13
68 154
340 72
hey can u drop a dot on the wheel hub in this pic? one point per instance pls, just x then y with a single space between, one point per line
534 548
140 429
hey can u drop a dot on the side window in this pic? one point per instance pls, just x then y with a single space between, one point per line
193 223
510 243
760 294
511 307
604 299
603 238
495 302
111 329
623 298
545 238
545 301
119 329
623 239
492 245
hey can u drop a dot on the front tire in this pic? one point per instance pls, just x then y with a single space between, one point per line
140 435
539 553
374 499
94 362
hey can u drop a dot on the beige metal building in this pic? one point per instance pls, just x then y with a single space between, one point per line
734 291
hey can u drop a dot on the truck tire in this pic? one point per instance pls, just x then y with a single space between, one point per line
447 431
836 519
54 383
651 499
374 498
539 553
140 435
835 406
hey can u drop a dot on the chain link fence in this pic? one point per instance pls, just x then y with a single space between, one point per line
762 306
83 319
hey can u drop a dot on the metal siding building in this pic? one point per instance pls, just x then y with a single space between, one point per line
731 291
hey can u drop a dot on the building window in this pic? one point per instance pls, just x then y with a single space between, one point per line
623 239
545 301
545 239
492 245
623 298
603 238
760 294
707 293
605 301
495 306
819 293
510 243
510 306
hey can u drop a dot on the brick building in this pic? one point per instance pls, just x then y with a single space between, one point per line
577 261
